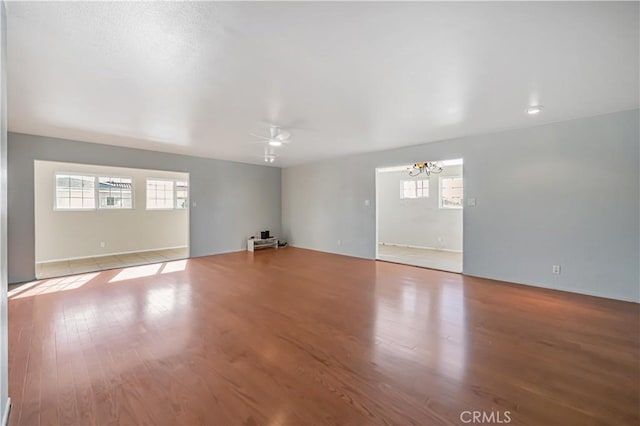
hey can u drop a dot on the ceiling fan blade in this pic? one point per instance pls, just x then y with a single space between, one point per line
283 135
259 136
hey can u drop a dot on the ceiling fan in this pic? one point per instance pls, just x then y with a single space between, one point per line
269 154
277 137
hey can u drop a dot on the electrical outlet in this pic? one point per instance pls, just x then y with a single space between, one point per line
339 243
555 269
103 244
367 203
471 202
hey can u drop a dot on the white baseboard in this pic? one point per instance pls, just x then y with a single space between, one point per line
219 252
330 252
7 409
420 247
110 254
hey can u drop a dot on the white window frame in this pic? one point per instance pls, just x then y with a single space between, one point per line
441 179
96 192
74 209
133 192
146 194
175 193
416 196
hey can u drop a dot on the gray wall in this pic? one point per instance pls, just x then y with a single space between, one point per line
418 222
4 330
565 193
233 200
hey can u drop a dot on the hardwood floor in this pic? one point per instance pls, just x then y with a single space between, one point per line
301 337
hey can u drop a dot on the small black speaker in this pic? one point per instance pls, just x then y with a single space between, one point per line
264 235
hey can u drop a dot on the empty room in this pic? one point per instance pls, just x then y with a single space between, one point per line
319 213
419 214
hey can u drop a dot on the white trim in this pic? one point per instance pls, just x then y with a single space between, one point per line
133 193
173 193
394 169
377 211
7 409
331 252
456 162
552 287
74 209
221 252
110 254
420 247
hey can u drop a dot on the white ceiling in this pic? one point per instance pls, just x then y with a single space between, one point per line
196 78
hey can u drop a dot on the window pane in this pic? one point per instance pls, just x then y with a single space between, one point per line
422 188
74 192
87 182
408 189
62 181
113 190
62 203
160 194
182 194
414 188
451 192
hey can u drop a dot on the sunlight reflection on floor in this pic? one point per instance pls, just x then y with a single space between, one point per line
72 282
136 272
52 285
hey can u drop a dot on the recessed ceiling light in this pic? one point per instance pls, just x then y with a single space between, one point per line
534 109
274 142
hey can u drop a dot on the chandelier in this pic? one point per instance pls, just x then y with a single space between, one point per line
426 168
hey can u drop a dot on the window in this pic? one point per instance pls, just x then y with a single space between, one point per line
182 194
75 192
115 193
451 192
160 194
414 188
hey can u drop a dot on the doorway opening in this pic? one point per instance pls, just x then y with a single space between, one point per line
91 218
419 210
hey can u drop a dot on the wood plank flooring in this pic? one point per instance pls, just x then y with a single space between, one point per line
307 338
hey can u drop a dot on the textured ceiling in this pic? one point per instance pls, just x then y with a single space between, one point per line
196 78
